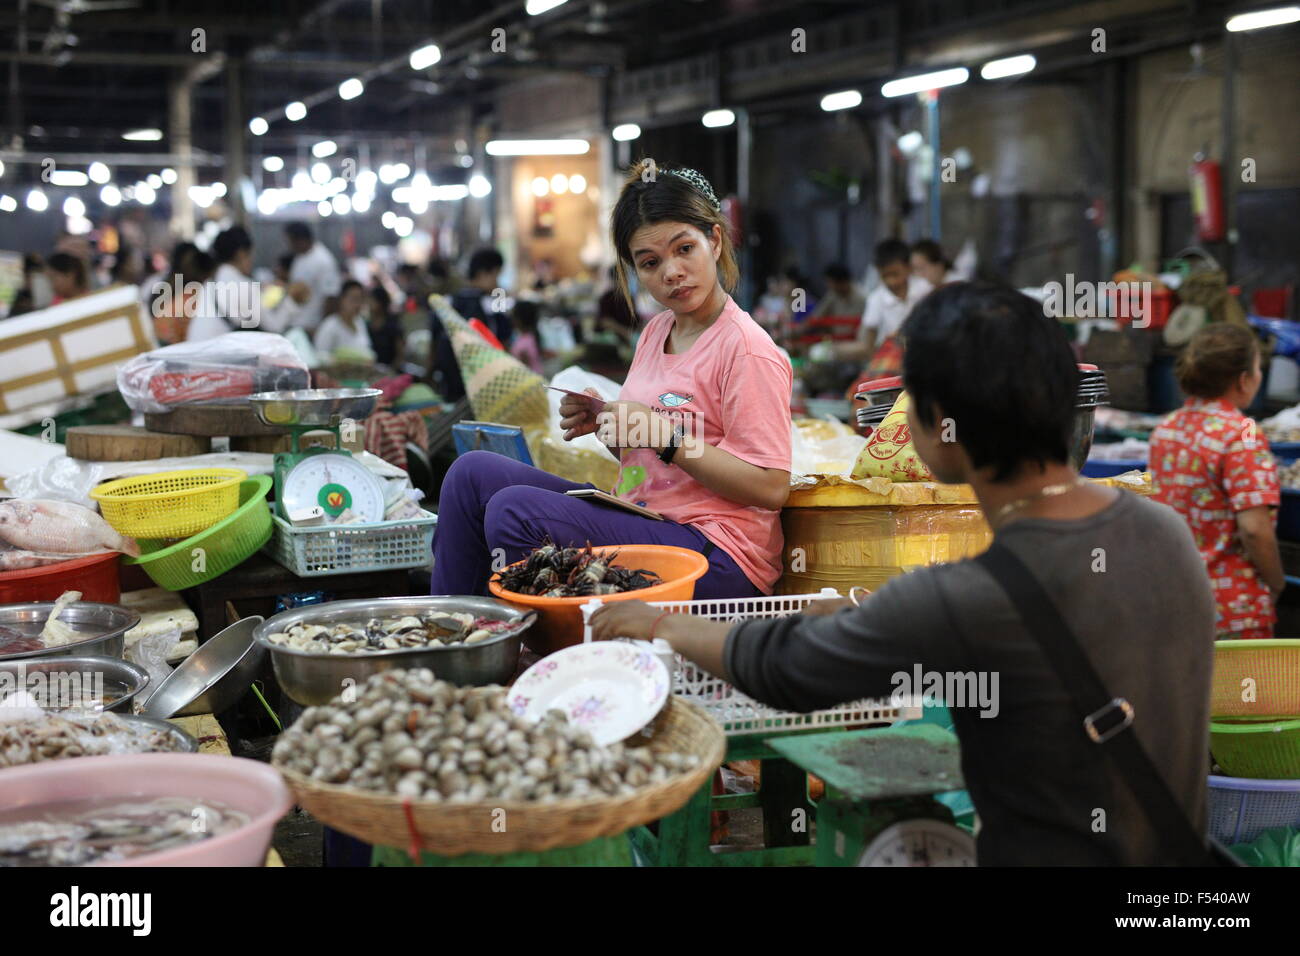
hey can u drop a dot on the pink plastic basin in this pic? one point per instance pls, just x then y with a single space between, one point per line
245 785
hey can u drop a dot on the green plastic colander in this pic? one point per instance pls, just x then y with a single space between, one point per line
1266 750
228 543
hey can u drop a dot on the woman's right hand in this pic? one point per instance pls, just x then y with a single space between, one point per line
577 417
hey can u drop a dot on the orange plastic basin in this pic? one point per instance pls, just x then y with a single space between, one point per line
559 620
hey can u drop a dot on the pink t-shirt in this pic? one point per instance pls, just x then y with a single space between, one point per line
732 388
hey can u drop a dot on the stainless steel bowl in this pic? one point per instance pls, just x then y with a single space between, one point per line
121 680
181 741
311 679
213 678
105 627
314 406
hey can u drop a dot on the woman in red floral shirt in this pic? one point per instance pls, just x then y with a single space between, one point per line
1213 466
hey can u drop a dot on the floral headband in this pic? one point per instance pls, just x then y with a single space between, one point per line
699 182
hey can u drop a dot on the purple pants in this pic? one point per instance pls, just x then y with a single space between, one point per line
491 502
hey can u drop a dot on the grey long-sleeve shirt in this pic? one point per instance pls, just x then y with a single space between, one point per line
1129 583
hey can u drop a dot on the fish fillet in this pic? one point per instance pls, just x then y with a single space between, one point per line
59 527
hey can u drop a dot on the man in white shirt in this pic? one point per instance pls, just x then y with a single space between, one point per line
316 268
889 304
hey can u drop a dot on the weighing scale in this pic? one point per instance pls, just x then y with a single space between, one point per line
879 808
328 478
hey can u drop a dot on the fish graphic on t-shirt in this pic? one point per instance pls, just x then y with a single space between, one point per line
674 400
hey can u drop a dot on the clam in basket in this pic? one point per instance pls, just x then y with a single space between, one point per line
169 504
452 829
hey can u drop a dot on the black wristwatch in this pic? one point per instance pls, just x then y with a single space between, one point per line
674 443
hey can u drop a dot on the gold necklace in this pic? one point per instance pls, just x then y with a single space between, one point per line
1047 491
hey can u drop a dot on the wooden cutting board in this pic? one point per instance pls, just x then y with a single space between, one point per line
210 420
130 443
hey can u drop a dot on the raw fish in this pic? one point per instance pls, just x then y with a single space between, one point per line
59 527
18 560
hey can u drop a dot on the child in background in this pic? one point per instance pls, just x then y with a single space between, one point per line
887 307
524 346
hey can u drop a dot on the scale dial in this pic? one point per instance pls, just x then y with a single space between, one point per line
920 842
335 483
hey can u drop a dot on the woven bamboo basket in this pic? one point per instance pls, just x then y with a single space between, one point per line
499 827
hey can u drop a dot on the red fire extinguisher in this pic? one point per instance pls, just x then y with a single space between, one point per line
1207 199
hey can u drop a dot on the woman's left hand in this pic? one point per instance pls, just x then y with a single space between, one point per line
631 425
633 619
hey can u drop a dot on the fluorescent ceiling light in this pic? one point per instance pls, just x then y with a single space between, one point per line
154 181
540 186
69 177
257 126
110 195
98 173
72 206
625 131
1259 19
273 164
717 118
326 147
537 147
577 184
143 135
559 184
361 203
534 7
925 81
1008 66
144 194
350 89
8 203
320 173
324 208
37 201
844 100
425 57
403 226
295 111
479 186
168 176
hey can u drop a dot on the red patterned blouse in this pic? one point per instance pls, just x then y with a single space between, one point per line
1208 462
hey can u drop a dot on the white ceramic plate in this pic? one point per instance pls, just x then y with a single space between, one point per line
611 689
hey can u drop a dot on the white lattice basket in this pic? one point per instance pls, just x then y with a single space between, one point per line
736 712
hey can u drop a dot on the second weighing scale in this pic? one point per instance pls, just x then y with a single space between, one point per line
328 478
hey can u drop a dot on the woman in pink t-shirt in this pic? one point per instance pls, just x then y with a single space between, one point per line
701 426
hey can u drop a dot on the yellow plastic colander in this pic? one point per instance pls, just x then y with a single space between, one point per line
169 504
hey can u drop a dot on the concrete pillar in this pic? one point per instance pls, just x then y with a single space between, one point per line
179 113
236 140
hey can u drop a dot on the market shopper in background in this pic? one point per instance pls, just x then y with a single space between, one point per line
69 277
346 328
232 300
387 337
1212 465
929 263
524 345
473 301
842 296
701 426
992 382
887 308
317 271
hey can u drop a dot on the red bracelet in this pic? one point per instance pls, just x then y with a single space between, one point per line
656 623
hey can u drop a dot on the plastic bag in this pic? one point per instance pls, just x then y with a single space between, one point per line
823 447
1286 335
1277 846
889 452
151 652
227 367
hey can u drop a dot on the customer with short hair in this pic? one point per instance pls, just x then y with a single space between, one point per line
314 277
887 308
992 382
473 301
1212 464
69 277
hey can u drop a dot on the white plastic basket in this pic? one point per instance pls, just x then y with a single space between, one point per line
353 548
736 712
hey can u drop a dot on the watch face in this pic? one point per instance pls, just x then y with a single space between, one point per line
920 843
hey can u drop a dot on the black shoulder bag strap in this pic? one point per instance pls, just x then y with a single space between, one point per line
1107 717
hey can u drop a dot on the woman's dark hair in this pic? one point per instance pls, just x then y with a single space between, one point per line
201 267
837 272
525 315
70 265
380 295
349 285
652 194
182 257
485 260
932 251
299 231
989 359
891 250
1216 357
230 243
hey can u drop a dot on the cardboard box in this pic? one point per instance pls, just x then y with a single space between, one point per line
71 348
